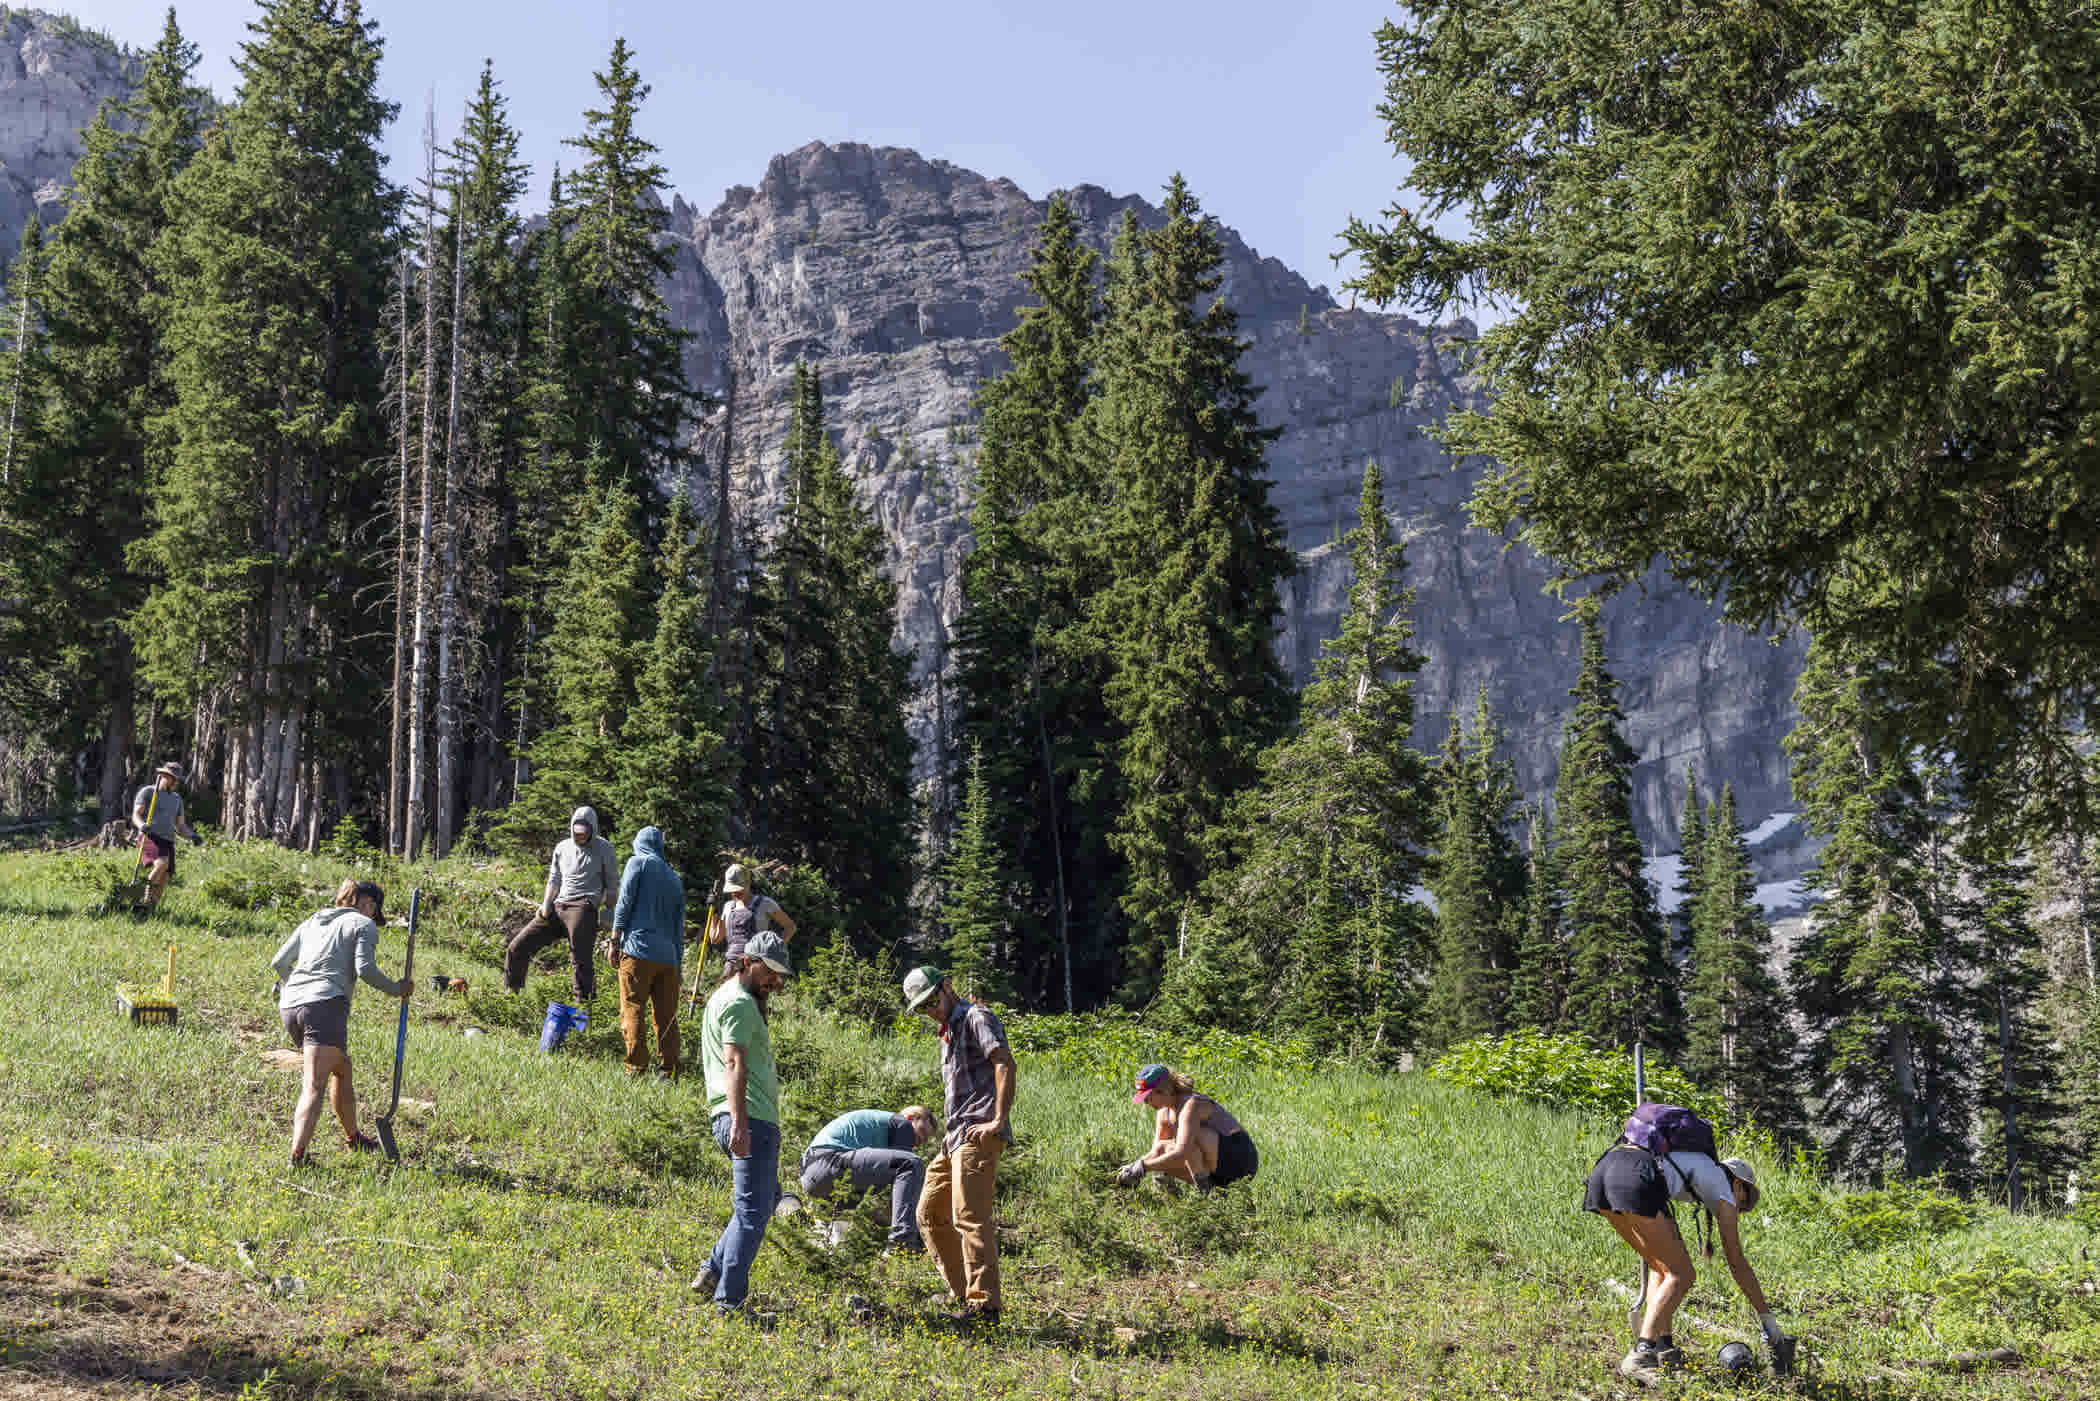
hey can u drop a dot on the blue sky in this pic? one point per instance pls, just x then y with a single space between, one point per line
1267 108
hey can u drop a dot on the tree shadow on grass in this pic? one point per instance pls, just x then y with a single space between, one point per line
234 1369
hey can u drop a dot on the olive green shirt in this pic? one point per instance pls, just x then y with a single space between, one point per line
733 1019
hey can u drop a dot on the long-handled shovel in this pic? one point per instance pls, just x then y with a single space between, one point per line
408 973
135 885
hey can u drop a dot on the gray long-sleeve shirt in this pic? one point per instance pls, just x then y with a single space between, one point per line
327 955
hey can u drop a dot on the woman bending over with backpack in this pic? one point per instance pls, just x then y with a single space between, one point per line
1666 1155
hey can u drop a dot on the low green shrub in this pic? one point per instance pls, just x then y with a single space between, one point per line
1566 1072
1900 1211
1109 1045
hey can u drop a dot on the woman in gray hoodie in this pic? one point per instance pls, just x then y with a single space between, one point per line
316 970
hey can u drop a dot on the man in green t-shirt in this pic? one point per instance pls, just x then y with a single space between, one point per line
743 1103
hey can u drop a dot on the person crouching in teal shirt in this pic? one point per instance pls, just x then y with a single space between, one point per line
870 1148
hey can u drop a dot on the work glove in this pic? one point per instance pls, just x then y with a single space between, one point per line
1130 1174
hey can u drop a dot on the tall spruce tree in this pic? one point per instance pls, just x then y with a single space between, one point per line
1691 866
591 661
80 480
278 268
1882 978
1625 988
1477 878
1538 997
1739 1042
1309 914
1198 555
827 760
621 352
2025 1139
975 910
1030 678
671 767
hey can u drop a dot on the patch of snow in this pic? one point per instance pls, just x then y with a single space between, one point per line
1665 873
1775 896
1769 828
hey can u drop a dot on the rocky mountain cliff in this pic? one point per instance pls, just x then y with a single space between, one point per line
54 74
898 273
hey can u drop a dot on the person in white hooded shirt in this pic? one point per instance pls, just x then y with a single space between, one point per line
326 957
582 877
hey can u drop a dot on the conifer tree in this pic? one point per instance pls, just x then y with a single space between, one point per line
671 766
591 660
975 908
1029 677
278 266
1539 993
827 760
1624 988
1738 1039
81 476
1304 925
1198 555
622 353
1882 976
1691 872
2026 1147
1477 878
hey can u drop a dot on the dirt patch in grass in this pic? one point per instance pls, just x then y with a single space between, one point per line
136 1331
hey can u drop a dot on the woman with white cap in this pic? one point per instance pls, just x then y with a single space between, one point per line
1632 1188
745 914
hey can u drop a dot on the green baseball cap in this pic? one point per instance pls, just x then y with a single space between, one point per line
920 985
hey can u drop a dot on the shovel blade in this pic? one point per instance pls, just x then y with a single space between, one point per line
386 1139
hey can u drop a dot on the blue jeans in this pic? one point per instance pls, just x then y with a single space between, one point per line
754 1183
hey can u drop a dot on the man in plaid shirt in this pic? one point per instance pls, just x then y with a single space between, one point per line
956 1214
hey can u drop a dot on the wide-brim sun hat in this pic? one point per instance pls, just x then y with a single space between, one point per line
171 769
734 881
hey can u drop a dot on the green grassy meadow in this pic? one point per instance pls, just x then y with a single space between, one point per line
1404 1238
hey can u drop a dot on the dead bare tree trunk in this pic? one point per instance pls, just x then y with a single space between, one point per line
396 774
419 671
448 598
2015 1195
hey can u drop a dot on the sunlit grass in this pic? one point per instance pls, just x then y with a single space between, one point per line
1403 1238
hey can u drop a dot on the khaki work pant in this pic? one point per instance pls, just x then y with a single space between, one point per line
646 985
959 1222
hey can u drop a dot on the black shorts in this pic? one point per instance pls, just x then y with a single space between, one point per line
1627 1179
1236 1159
325 1023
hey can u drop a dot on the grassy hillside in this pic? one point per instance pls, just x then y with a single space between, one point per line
1404 1238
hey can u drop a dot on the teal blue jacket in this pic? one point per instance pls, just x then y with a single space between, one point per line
650 918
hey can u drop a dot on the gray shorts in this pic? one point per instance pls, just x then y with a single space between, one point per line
324 1023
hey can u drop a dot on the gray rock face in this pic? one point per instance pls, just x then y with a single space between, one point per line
54 75
899 273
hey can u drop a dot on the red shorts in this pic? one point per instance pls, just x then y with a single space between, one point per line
153 849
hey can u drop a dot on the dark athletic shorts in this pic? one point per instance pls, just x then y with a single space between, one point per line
1627 1179
325 1023
1236 1159
152 849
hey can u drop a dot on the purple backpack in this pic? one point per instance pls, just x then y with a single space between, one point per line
1666 1128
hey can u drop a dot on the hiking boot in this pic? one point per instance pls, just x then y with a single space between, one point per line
972 1317
1642 1365
1205 1184
707 1281
361 1143
664 1077
1669 1356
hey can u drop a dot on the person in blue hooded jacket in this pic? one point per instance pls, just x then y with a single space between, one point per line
648 945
